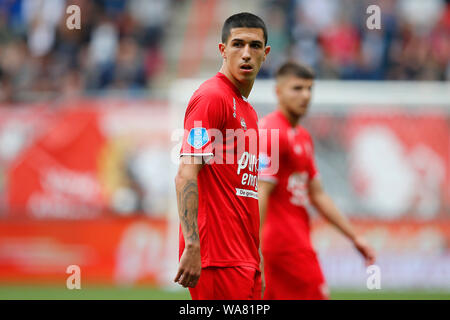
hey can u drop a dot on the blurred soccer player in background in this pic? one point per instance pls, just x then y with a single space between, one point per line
217 200
291 267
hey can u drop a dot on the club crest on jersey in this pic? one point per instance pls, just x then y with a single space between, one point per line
243 124
298 149
198 137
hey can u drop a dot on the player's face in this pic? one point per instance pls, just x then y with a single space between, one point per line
244 53
294 94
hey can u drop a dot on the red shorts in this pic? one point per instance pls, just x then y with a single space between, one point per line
228 283
294 276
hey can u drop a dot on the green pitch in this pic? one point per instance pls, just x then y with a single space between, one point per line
29 292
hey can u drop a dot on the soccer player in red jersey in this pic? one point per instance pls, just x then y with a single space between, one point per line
288 179
217 177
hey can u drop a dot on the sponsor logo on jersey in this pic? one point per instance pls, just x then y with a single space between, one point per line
246 193
298 187
248 162
198 137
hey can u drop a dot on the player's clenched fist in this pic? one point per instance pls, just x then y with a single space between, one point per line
190 267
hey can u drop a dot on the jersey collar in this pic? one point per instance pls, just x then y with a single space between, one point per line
224 78
284 119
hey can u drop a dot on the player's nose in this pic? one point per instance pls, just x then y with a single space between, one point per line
246 53
307 94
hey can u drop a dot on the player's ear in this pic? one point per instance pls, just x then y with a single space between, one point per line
266 52
222 50
277 88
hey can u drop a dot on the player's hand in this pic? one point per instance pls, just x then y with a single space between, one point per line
365 249
190 267
263 284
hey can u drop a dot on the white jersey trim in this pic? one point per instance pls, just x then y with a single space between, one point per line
207 156
197 154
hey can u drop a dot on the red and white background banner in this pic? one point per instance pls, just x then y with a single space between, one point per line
410 254
83 160
122 251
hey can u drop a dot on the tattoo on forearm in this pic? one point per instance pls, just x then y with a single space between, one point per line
188 209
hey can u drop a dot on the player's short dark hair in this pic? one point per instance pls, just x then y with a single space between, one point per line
243 20
295 69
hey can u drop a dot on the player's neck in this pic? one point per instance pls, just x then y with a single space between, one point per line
244 87
292 118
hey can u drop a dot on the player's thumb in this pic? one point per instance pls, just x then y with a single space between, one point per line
178 276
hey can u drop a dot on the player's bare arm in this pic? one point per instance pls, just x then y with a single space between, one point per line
264 190
326 207
187 201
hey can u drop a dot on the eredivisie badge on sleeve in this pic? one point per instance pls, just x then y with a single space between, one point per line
198 137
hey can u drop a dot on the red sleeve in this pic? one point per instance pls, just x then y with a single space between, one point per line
204 114
312 168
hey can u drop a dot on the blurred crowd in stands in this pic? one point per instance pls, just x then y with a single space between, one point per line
332 36
120 44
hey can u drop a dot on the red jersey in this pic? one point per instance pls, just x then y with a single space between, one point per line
286 227
222 126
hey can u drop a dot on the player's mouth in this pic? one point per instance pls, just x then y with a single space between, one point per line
246 68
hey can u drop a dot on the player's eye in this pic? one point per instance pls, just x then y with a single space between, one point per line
237 44
256 45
